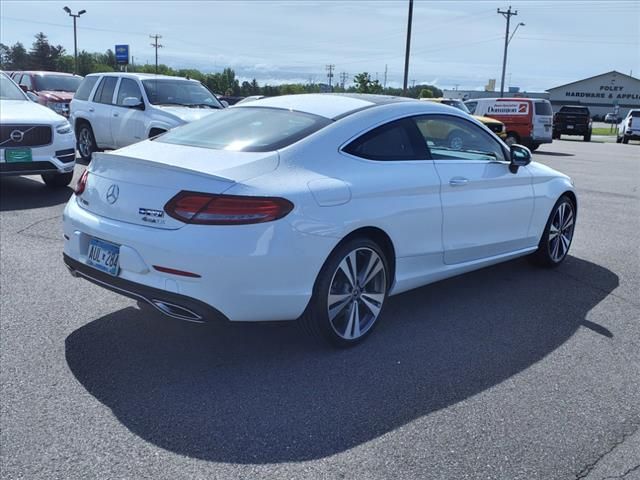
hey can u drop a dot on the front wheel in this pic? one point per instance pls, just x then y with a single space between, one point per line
349 294
587 137
558 234
57 180
618 139
625 140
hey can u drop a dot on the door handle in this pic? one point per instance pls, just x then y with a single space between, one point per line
91 109
115 114
458 181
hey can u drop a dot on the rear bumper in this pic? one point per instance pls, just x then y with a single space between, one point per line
168 303
577 130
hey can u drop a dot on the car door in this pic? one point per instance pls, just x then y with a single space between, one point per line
102 105
486 205
396 181
127 123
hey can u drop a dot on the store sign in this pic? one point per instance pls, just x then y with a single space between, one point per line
606 91
122 54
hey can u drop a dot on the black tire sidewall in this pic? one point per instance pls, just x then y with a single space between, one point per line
317 308
542 255
93 142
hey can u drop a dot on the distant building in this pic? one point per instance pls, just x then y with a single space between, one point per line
469 94
601 93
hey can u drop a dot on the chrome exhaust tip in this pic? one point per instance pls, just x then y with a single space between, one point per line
176 311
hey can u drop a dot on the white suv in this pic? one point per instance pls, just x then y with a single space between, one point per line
113 110
629 127
34 140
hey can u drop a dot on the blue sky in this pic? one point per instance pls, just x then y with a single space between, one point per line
453 43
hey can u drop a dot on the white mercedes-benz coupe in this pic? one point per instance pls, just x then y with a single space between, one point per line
312 207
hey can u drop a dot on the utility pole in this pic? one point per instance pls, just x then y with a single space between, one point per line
156 45
413 84
343 78
406 52
385 75
506 14
75 37
329 69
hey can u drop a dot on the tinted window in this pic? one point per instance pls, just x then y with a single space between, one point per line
84 90
543 108
128 88
453 138
104 94
57 83
246 129
635 113
471 106
396 140
179 92
458 104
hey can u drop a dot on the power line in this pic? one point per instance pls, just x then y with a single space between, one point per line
156 45
506 14
329 68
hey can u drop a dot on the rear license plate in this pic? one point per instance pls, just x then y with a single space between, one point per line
14 155
570 127
103 256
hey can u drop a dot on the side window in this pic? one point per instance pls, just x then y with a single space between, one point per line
26 81
471 106
454 138
397 140
104 94
128 88
84 90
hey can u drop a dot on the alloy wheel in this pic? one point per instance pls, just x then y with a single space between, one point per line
561 231
85 143
356 294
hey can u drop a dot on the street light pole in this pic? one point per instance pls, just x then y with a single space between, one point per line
75 37
508 14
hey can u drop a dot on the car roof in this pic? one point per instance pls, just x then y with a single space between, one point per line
328 105
46 72
140 76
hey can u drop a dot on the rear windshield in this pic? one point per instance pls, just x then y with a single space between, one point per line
458 104
246 129
578 110
57 83
543 108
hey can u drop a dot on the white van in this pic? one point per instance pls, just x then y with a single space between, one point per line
528 121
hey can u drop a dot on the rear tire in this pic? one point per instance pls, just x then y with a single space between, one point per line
625 140
618 139
558 234
86 142
57 180
587 137
349 294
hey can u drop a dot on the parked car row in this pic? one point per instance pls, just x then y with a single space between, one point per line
51 89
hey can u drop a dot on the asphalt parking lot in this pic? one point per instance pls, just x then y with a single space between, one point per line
511 372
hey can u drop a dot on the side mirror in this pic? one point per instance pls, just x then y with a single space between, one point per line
24 88
520 157
133 102
224 103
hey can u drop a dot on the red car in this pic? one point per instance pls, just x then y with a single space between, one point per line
51 89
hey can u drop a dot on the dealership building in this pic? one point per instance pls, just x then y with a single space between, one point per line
605 93
608 92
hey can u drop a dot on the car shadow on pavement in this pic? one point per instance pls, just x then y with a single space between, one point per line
22 193
264 393
553 154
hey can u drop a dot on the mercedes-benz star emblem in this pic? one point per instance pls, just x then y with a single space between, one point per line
16 136
112 194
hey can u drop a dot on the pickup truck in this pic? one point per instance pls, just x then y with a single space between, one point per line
572 120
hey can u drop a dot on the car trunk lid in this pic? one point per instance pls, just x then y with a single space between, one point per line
134 184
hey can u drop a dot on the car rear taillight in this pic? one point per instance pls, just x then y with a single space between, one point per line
212 209
82 183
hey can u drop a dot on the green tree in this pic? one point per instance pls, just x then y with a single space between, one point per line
15 57
426 93
364 84
44 56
